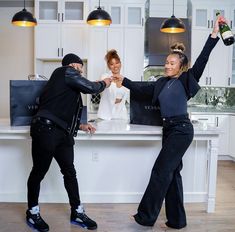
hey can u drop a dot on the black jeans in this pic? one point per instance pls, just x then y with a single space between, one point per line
165 181
48 142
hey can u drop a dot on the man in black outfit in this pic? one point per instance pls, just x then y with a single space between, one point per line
52 130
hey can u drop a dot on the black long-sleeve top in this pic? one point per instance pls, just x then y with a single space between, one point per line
188 79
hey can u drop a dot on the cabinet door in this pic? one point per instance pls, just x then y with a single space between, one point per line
232 65
134 53
115 40
97 51
74 40
216 72
222 122
204 17
231 136
117 14
134 15
47 11
73 11
47 41
198 41
219 65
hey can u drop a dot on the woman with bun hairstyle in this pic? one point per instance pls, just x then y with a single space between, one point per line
113 99
171 94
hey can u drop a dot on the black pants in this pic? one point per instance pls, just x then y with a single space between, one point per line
165 181
48 142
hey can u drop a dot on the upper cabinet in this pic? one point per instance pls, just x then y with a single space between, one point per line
51 11
204 17
61 29
219 71
164 9
123 13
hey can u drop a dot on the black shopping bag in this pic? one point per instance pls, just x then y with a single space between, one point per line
24 99
142 111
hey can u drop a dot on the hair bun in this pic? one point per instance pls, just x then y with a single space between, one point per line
110 54
178 47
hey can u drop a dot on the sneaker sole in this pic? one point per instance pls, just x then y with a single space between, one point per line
83 226
33 227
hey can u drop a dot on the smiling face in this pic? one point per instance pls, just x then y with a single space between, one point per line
172 65
115 66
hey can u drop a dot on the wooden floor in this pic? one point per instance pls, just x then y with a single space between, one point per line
116 217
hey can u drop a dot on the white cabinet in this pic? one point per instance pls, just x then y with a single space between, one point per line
204 16
231 137
220 121
223 123
51 11
53 41
164 9
125 34
232 53
61 30
218 72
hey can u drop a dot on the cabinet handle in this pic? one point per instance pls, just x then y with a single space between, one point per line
62 17
62 51
206 80
217 121
58 52
203 119
208 23
231 24
212 23
210 80
58 17
229 81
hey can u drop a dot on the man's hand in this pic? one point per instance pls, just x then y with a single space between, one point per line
87 128
107 81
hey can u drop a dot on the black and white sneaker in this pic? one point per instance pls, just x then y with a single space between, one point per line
35 221
78 217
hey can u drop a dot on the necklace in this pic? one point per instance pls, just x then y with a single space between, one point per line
171 83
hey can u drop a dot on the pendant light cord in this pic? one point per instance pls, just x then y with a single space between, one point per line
24 4
173 8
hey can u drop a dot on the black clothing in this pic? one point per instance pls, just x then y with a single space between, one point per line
188 79
165 181
173 99
61 99
53 128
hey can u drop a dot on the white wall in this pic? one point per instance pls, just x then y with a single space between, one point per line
16 54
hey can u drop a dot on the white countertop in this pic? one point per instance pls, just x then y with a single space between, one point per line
120 129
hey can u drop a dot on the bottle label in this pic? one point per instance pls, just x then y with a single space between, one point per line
227 34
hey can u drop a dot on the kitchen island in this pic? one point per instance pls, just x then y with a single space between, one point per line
113 165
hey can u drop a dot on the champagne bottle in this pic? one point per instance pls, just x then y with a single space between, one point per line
225 32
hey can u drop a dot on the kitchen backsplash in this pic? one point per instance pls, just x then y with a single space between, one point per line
215 96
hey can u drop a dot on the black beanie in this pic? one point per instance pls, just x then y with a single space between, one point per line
71 58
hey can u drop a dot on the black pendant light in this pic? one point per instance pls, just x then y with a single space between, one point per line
99 17
173 24
24 19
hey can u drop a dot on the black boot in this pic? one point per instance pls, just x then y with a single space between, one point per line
36 221
79 217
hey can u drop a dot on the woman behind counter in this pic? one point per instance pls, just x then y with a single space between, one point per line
113 99
171 93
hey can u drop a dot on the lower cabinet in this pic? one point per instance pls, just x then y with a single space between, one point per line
221 121
231 137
